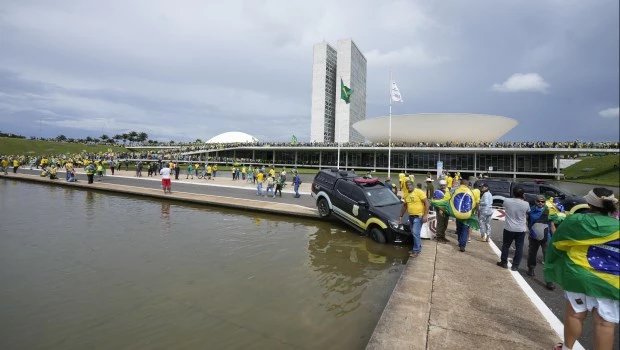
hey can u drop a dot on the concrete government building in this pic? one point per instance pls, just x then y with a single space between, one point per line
331 118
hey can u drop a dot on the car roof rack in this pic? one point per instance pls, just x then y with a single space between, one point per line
366 181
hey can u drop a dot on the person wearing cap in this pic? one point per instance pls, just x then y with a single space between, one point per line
430 189
388 183
485 212
539 232
442 193
417 205
583 258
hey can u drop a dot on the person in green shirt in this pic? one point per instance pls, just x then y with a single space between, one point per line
190 171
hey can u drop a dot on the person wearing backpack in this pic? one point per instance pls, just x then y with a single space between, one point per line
539 229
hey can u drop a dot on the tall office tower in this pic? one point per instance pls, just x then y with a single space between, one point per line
324 95
352 69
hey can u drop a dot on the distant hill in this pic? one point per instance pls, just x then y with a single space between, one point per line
15 146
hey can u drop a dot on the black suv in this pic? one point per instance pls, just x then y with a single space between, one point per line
502 188
363 203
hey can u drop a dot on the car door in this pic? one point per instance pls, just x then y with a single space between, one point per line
342 203
360 204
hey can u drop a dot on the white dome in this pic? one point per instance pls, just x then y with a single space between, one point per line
232 137
436 127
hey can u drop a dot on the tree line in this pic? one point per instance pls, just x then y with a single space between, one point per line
131 137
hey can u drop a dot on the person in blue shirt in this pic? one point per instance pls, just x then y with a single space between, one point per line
296 183
539 230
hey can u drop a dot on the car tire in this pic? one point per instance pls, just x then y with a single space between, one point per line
377 235
323 207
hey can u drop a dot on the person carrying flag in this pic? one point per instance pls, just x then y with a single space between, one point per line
583 258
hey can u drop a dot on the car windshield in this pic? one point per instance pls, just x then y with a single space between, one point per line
381 197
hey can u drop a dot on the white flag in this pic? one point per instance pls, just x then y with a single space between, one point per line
396 97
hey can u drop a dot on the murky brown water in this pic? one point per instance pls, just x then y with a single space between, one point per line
87 270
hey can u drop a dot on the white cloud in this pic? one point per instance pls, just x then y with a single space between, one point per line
522 82
610 112
406 56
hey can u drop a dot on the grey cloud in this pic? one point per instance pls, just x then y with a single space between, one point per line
246 66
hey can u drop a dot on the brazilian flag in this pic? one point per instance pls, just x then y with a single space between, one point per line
345 92
583 256
459 206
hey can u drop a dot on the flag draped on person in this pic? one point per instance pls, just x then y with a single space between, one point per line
345 92
395 93
583 256
446 205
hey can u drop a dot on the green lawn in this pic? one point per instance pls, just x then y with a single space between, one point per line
604 170
13 146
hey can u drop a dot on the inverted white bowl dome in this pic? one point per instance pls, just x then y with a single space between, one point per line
436 127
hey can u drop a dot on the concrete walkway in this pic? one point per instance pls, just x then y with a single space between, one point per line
444 299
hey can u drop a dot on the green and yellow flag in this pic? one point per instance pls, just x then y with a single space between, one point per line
446 205
583 256
345 92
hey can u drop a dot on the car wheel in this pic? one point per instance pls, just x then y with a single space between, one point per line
377 235
323 207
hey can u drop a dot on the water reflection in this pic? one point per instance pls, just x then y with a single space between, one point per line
127 268
344 265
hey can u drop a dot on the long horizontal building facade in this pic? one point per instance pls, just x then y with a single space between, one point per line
515 162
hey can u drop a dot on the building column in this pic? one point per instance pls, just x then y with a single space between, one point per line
346 160
475 164
375 165
273 161
320 159
514 166
254 155
295 158
557 167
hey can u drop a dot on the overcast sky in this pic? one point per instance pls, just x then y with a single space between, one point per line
191 69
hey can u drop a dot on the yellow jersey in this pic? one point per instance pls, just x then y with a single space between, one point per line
415 202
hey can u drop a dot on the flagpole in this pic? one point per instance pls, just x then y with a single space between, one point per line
338 142
390 129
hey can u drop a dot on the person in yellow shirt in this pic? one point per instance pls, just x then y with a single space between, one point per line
449 181
417 205
402 181
259 183
15 165
196 168
474 210
209 169
5 165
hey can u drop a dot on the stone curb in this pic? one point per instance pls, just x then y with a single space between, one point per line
229 202
404 322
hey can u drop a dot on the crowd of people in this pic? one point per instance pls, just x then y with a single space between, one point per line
581 252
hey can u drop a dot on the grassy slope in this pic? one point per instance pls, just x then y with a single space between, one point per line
603 170
13 146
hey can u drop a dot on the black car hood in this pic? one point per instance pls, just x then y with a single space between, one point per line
391 212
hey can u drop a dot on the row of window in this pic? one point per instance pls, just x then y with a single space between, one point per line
538 163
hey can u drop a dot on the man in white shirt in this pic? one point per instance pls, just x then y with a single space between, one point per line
165 178
515 227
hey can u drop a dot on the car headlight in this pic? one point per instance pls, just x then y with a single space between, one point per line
395 225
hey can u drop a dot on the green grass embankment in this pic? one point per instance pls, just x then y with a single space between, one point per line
604 170
13 146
